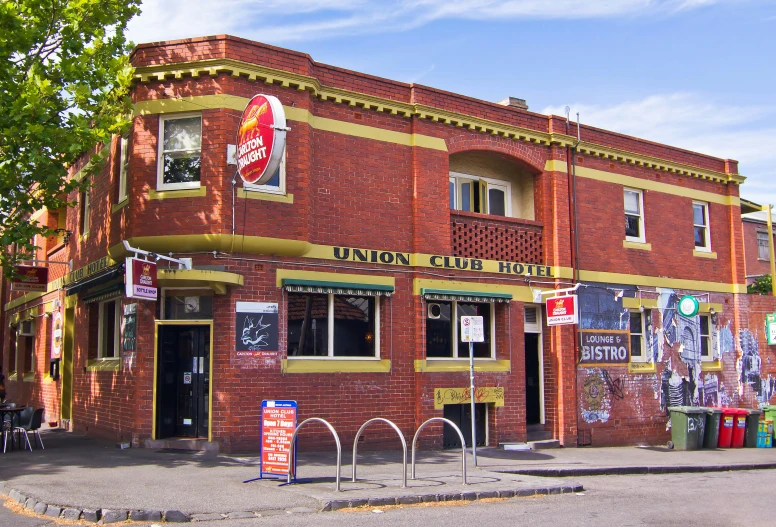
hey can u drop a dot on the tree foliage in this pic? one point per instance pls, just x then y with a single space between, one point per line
761 286
64 84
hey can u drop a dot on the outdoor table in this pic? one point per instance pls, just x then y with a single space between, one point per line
14 413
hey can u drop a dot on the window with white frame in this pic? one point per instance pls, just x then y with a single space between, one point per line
477 194
26 346
700 220
634 215
180 146
109 322
276 184
123 166
85 208
707 342
640 327
443 322
333 325
763 246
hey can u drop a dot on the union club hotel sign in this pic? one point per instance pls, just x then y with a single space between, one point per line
440 262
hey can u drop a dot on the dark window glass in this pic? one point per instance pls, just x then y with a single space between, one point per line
481 349
354 326
439 332
466 196
452 195
700 236
181 167
109 329
497 202
636 334
632 227
28 351
308 333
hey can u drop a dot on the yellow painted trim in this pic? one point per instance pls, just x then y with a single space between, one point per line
637 245
27 297
520 293
636 303
118 206
105 364
47 379
13 376
461 365
216 280
706 307
71 301
287 79
265 196
711 365
642 367
554 165
657 281
158 323
175 194
29 376
336 366
704 254
333 277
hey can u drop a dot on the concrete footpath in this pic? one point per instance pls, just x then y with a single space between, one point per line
77 477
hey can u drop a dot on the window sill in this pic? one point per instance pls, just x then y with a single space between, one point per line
106 364
461 365
83 237
29 376
642 367
328 365
265 196
642 246
711 365
704 254
13 376
199 192
118 206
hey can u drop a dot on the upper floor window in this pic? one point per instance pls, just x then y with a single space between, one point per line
180 148
123 167
276 185
85 209
700 220
634 215
477 194
763 246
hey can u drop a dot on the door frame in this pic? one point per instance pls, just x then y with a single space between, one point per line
157 324
540 352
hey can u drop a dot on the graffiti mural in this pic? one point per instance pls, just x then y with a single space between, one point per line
596 403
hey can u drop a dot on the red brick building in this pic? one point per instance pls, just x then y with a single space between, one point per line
756 247
397 209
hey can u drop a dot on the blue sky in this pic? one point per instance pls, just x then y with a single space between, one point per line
698 74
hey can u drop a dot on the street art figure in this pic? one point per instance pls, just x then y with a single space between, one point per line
252 335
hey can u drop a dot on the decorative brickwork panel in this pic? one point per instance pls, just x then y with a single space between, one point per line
477 236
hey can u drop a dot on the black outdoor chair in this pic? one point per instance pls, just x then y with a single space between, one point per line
34 427
6 426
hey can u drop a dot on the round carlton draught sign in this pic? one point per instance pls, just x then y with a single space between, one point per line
261 139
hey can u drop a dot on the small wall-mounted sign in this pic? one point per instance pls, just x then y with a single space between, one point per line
562 310
688 306
770 329
30 279
605 348
141 279
261 139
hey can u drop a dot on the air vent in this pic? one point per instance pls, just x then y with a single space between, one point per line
27 328
533 322
434 311
530 315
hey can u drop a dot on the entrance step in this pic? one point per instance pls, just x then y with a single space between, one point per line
514 446
545 444
538 433
182 444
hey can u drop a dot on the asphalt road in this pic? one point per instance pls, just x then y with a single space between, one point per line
727 499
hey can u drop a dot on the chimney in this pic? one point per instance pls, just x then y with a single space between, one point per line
514 102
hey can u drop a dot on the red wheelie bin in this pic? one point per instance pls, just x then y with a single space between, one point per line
739 430
726 426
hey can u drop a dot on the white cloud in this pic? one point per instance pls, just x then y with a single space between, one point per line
277 21
694 122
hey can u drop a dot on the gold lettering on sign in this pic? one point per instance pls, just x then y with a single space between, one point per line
443 396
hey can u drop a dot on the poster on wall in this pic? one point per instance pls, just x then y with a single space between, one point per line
141 279
129 328
604 348
256 333
57 334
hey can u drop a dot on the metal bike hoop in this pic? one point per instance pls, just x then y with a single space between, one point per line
460 435
336 439
403 444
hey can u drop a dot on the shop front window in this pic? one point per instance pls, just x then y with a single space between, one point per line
443 322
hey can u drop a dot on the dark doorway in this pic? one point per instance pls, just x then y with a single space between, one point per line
533 384
183 381
461 415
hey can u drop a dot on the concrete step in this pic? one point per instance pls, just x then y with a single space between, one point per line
182 444
545 444
514 446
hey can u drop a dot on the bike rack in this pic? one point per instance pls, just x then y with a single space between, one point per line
403 444
460 435
339 449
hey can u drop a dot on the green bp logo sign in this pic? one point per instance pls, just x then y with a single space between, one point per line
688 306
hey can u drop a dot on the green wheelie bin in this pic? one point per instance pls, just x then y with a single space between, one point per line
687 426
711 435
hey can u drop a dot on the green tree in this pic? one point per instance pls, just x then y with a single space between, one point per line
64 84
761 286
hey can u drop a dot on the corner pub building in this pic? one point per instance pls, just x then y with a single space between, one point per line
340 282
